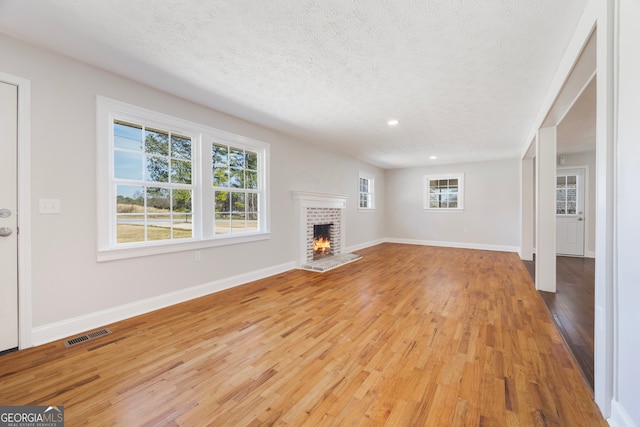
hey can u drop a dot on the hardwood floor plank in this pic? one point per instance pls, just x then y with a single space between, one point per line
572 308
407 336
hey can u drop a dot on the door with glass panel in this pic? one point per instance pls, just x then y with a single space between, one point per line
570 212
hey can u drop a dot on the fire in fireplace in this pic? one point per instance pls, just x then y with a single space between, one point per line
321 240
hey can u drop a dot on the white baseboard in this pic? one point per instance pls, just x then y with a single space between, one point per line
77 325
619 416
354 248
461 245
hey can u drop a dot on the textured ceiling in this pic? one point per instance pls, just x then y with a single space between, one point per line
465 78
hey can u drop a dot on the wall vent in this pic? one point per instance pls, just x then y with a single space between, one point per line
86 337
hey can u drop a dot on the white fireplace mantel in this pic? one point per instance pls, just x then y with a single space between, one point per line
308 199
303 200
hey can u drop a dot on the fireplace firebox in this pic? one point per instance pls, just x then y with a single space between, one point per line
322 240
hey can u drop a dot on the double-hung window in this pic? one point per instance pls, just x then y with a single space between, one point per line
444 192
166 184
236 189
365 190
152 176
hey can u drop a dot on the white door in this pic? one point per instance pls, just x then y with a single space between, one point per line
8 218
570 212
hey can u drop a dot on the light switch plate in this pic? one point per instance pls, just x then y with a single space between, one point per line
49 206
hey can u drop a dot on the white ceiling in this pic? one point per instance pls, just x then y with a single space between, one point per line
465 78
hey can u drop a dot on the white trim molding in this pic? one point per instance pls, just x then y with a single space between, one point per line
461 245
69 327
25 315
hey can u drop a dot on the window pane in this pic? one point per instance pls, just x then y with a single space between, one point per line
223 223
238 202
236 180
127 136
433 203
156 142
443 183
236 158
130 199
251 181
220 177
571 180
182 218
252 160
366 200
219 155
453 183
181 172
363 200
561 195
453 205
158 227
158 200
180 147
127 165
222 201
130 213
561 181
252 202
364 185
433 184
181 201
157 169
252 222
238 223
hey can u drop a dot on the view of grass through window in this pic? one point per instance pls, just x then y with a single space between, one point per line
235 183
152 172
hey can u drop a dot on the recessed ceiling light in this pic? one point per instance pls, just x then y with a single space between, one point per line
433 157
393 122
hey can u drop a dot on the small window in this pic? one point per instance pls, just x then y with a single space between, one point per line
444 192
566 195
365 190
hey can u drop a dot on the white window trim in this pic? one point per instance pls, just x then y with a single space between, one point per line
372 181
425 193
203 202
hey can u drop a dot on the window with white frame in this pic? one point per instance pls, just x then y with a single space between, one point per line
365 190
166 184
444 192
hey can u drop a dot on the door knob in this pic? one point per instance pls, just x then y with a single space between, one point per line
5 231
5 213
579 219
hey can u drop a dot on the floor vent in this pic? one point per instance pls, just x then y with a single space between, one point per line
86 337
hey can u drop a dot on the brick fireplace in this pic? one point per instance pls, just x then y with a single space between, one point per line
318 209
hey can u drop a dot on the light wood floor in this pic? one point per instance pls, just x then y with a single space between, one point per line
407 336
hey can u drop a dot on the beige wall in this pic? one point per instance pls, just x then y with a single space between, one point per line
491 216
67 282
